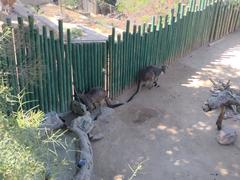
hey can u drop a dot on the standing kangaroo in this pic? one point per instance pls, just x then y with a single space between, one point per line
148 76
93 97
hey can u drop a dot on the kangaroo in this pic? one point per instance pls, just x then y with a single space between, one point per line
148 76
93 97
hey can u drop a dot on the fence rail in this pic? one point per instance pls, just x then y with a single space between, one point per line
49 66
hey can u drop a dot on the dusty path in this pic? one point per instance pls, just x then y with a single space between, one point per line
167 127
89 35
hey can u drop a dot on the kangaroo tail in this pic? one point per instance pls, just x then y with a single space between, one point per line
134 94
112 105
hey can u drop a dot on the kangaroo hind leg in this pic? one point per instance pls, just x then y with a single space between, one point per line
150 84
220 118
155 82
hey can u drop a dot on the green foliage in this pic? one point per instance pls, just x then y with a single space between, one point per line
71 3
19 152
4 41
6 99
76 32
36 8
20 144
130 6
24 152
29 69
4 37
112 2
145 18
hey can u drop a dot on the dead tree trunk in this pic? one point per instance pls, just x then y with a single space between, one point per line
222 96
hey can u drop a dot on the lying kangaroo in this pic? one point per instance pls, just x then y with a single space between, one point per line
148 76
93 97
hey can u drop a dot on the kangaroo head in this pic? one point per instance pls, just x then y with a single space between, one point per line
164 67
86 100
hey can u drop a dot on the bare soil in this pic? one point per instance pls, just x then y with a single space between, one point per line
167 127
97 22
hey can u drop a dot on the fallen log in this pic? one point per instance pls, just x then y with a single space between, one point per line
222 96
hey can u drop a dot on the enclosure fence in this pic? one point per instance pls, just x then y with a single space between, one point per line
170 38
50 66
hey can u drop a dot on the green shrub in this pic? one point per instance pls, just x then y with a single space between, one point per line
112 2
24 152
130 6
71 3
6 99
20 144
76 32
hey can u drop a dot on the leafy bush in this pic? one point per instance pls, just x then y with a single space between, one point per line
4 40
24 152
6 102
112 2
29 70
20 144
130 6
76 32
71 3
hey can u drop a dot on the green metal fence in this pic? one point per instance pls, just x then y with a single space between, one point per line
171 37
49 66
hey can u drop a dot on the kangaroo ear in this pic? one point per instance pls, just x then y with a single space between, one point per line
81 92
164 67
75 91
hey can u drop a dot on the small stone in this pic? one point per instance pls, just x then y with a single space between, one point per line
81 163
96 137
227 136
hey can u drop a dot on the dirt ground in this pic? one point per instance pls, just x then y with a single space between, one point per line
166 127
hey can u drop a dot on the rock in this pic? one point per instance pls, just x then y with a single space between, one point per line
236 117
78 108
85 157
81 163
227 136
105 113
96 113
52 121
107 110
84 123
96 137
97 132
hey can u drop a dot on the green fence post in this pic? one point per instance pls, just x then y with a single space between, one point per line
63 64
54 73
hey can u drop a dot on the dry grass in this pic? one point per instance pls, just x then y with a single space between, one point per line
142 13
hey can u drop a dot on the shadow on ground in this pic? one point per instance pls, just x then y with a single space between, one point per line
166 127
